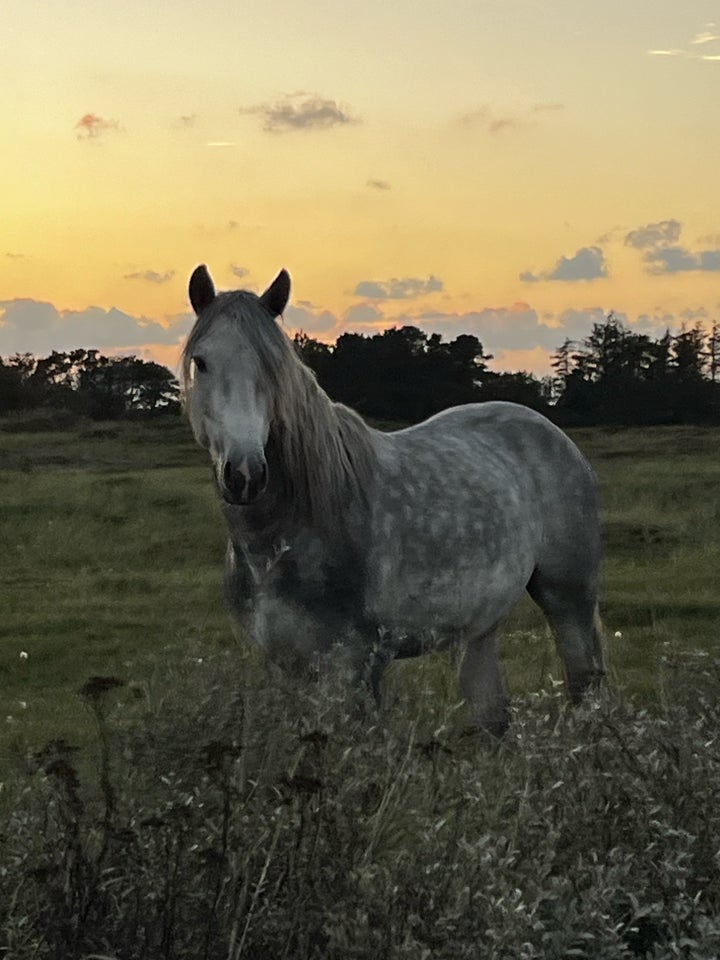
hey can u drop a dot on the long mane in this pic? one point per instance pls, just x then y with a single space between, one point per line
325 449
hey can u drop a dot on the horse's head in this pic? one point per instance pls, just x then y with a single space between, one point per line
228 366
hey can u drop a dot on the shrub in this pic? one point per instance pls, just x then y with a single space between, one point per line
236 817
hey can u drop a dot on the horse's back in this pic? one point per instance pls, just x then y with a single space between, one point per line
507 462
496 437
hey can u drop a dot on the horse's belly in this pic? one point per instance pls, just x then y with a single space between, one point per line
449 601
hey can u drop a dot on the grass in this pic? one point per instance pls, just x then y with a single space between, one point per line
277 821
114 544
193 807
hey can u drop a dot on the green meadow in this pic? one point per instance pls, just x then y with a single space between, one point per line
164 798
113 546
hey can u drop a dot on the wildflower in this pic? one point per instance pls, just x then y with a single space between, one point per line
23 655
618 634
22 704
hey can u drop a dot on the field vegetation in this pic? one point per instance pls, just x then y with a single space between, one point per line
164 796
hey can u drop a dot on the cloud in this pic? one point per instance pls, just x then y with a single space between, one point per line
186 121
365 314
654 234
398 289
680 260
485 117
378 184
519 327
301 111
517 336
150 276
708 35
220 143
239 272
14 256
92 127
38 327
309 318
587 264
663 253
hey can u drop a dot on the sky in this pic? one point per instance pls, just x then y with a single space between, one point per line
514 169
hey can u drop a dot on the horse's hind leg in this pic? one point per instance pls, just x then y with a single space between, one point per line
572 611
482 684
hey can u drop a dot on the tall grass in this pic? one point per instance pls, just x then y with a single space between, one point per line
234 817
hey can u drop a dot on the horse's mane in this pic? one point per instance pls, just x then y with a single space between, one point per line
325 449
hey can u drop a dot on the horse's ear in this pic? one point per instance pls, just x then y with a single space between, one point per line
201 289
277 294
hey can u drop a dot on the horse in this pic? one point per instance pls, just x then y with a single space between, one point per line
386 545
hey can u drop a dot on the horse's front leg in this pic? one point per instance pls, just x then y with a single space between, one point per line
482 683
240 589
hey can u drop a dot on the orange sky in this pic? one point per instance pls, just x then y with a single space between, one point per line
513 169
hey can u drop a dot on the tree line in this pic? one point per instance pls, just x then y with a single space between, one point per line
613 376
86 383
618 376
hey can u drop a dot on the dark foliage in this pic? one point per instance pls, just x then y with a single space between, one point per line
85 383
234 819
404 374
617 376
613 376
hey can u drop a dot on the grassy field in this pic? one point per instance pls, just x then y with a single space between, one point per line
193 809
113 544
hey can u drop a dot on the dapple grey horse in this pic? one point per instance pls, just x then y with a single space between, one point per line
386 544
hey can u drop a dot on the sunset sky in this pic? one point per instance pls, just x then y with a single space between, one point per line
509 168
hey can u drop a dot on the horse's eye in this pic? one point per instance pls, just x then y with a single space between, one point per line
200 364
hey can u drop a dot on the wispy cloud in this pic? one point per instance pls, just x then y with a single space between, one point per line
239 272
221 143
185 121
663 253
404 288
14 256
378 184
301 111
696 47
93 127
587 264
150 276
484 117
494 122
708 35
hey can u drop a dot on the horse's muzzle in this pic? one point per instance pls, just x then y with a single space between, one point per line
241 483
